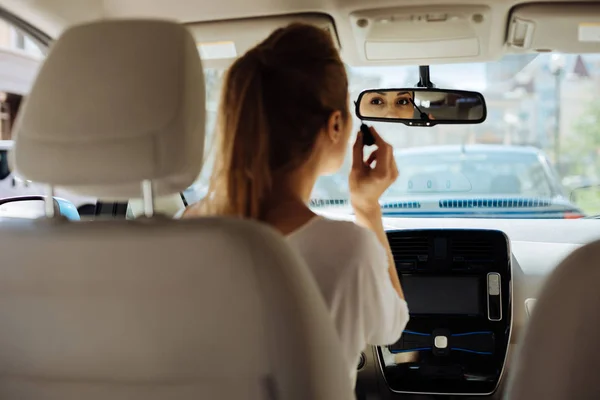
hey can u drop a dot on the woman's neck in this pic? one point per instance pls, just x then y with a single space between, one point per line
297 184
286 209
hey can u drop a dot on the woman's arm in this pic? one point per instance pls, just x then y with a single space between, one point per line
372 220
367 184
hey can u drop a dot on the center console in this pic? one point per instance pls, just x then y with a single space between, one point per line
457 285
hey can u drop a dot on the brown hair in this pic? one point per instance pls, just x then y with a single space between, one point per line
275 100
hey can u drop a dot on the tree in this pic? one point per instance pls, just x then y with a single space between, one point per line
584 148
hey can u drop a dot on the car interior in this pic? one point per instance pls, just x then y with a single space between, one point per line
121 300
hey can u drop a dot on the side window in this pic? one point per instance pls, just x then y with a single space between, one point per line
4 170
20 59
171 205
9 106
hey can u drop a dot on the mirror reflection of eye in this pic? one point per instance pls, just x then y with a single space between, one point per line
402 102
376 101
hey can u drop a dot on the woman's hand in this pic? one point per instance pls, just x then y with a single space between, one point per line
367 182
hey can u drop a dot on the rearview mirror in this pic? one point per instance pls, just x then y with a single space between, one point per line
421 106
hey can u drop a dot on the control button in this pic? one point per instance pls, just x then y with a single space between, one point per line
441 342
494 284
494 297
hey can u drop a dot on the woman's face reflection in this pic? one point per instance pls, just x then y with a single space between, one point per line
387 104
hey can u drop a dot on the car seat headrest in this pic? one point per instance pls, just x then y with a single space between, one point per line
116 102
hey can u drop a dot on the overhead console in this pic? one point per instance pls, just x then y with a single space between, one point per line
408 34
458 287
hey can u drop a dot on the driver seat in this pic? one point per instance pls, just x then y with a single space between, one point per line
152 308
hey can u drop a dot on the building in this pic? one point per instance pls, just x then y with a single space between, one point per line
530 99
19 60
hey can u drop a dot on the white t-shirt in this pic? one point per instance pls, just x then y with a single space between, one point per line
351 269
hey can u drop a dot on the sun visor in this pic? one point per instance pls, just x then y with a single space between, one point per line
557 27
422 34
221 42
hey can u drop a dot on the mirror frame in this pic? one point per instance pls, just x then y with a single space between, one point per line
420 123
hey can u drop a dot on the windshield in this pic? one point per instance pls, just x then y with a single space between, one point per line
473 172
539 144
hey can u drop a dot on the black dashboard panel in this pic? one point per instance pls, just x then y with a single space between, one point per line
458 288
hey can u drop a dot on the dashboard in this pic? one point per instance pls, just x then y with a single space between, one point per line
447 301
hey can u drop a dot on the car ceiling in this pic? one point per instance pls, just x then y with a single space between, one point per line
53 16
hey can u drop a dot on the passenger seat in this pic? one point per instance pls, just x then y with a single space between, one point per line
559 356
214 308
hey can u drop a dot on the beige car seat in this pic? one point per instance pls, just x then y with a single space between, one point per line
559 356
154 308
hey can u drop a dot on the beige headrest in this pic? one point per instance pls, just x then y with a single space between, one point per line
116 102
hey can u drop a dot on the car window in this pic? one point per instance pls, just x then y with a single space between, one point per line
4 168
21 60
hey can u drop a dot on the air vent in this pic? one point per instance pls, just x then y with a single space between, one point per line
495 203
409 251
472 250
401 204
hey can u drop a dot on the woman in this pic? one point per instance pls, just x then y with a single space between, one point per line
284 121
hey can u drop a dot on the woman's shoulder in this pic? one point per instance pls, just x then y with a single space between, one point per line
344 237
319 226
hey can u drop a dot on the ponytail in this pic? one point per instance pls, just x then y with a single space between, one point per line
241 177
275 100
